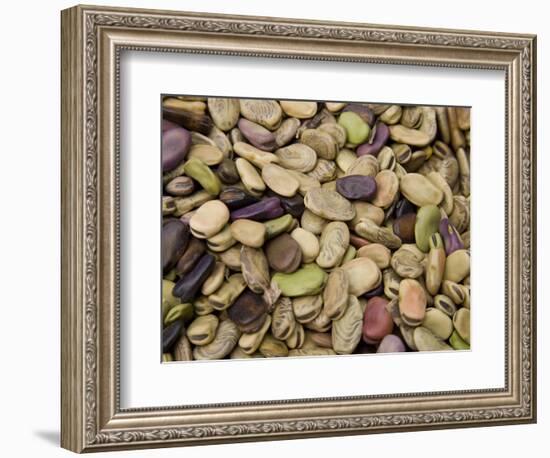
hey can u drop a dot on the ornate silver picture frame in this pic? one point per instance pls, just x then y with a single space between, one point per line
93 39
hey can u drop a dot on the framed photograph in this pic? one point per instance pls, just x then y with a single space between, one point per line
279 228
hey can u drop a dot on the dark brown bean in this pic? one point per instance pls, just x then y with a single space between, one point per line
403 227
235 198
190 256
175 237
180 186
283 253
227 172
248 312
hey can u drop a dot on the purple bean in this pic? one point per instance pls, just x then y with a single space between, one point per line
176 143
292 205
391 344
357 187
167 125
450 236
261 211
188 286
170 335
381 136
258 135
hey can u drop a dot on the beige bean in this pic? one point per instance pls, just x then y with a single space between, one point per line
210 155
279 180
300 110
411 117
333 244
386 159
254 155
224 112
380 254
222 241
307 308
323 171
336 131
426 340
335 107
419 190
461 322
186 204
297 156
250 177
202 329
283 322
329 205
457 266
309 244
408 261
228 292
306 182
267 113
439 182
321 142
214 280
364 165
227 335
232 257
248 232
392 115
313 223
367 210
221 141
202 306
363 274
454 291
387 186
250 342
182 351
335 294
347 330
194 106
412 302
209 219
297 338
413 137
438 323
321 323
255 269
272 347
345 158
373 233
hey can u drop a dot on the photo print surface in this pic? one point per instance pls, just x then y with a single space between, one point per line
298 228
